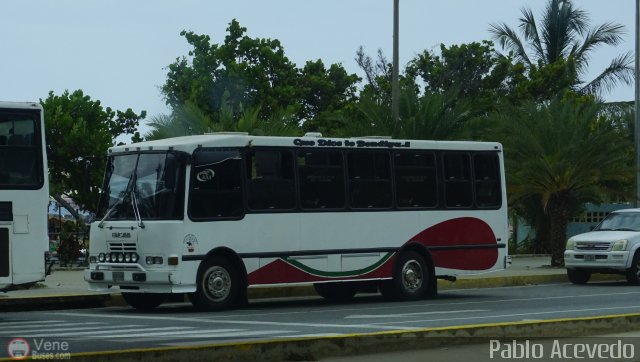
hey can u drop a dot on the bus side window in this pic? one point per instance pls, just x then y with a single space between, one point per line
457 180
487 180
216 185
271 182
415 175
369 179
321 176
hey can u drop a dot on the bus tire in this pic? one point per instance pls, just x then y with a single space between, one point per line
411 278
578 276
336 292
144 301
218 285
633 273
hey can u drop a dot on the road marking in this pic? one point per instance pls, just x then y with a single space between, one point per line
400 315
512 315
27 323
313 335
198 333
64 329
223 321
114 331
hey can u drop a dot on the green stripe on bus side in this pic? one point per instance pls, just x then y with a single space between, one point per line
327 274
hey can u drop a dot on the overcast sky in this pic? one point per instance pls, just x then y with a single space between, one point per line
116 51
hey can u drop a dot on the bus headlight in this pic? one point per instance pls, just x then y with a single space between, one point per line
134 258
120 258
619 245
127 257
101 257
113 257
93 259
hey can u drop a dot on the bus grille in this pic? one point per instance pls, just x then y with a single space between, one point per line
122 247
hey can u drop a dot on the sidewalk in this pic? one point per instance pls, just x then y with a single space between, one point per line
68 287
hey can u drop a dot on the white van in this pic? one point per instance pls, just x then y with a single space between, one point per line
612 248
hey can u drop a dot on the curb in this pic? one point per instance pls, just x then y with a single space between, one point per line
295 349
47 302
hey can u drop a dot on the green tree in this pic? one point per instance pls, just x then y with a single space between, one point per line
559 155
190 120
563 33
472 70
253 73
79 131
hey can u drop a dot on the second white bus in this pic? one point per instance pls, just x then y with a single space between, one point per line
213 215
24 195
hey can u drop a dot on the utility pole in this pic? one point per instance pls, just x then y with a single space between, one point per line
395 77
637 104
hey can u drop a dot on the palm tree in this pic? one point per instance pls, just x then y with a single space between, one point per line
560 154
190 120
428 116
564 33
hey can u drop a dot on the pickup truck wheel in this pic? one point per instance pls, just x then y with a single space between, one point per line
578 276
633 273
144 301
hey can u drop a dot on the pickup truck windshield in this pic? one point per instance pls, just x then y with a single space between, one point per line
623 221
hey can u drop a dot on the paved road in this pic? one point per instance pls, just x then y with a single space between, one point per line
179 324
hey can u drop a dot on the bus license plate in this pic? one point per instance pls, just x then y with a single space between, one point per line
589 258
118 276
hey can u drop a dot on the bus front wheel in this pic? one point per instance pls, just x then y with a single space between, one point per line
218 285
144 301
411 278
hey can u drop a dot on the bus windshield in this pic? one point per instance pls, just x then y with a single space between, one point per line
152 183
20 150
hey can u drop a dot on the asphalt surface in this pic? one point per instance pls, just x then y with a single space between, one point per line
118 328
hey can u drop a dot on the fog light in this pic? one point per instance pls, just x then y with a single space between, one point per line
120 258
97 276
134 258
101 257
113 257
127 258
93 259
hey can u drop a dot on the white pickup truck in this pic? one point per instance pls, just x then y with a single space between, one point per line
612 247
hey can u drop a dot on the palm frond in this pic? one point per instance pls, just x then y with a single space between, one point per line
530 31
621 70
509 39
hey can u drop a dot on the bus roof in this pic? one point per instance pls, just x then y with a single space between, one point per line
230 139
20 105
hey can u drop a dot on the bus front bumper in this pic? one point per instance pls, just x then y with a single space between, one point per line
135 281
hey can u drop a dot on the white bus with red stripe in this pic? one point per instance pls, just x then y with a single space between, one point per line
216 214
24 194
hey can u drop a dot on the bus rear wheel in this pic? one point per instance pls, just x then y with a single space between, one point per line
337 292
411 278
144 301
218 285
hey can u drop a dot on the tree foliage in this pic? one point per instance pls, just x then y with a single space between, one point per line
560 155
253 73
563 34
78 132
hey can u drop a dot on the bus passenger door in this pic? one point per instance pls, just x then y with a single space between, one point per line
5 257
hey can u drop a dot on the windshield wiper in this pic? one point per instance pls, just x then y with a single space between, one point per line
125 194
134 203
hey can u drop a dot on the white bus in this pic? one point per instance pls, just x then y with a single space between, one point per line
213 215
24 194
